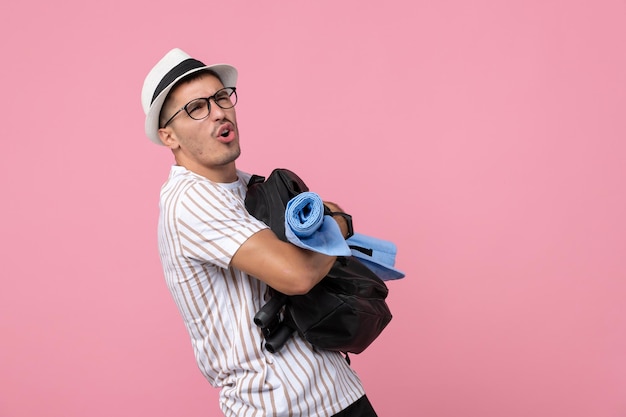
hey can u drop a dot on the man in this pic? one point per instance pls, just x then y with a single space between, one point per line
219 261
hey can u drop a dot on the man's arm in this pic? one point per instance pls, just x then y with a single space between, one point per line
281 265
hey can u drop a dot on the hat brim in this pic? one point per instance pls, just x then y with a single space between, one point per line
226 73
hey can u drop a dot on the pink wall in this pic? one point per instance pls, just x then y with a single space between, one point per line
485 138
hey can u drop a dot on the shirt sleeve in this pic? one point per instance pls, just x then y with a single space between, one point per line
213 223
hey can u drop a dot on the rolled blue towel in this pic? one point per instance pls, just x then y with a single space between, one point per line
305 214
307 227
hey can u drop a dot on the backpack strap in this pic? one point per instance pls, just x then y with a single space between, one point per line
255 179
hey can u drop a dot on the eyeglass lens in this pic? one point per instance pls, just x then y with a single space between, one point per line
200 108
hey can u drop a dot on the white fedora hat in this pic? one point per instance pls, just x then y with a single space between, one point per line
172 68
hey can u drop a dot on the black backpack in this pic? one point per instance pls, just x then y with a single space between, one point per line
344 312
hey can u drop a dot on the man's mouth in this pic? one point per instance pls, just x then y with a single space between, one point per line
226 131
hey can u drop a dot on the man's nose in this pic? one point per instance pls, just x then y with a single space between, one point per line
217 113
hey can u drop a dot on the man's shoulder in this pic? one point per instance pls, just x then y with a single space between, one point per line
180 179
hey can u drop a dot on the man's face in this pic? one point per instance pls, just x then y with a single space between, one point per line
210 146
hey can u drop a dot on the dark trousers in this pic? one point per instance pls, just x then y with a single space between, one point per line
359 408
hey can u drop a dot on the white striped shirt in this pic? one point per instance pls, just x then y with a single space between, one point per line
201 226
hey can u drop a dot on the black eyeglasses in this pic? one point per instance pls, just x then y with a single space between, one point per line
199 108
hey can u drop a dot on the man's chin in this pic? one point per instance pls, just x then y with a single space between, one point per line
232 155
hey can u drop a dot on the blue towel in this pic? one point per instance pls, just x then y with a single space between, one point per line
377 254
307 227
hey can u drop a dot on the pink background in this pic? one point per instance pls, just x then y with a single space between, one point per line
485 138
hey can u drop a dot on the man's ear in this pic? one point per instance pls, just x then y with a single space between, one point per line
168 138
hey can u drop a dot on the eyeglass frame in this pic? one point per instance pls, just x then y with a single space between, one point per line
208 100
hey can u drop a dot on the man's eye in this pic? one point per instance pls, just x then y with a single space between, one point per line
222 96
195 107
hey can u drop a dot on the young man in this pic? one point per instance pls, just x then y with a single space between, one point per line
219 260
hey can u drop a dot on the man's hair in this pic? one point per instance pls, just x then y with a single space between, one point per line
191 77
